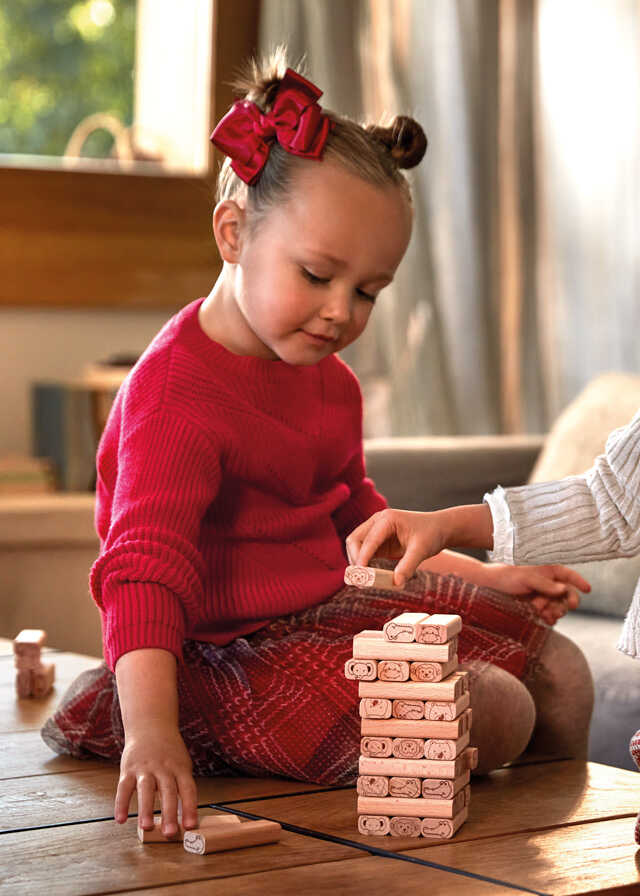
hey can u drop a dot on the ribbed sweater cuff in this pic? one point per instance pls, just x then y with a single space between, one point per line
142 614
503 533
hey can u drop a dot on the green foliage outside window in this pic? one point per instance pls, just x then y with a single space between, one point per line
61 61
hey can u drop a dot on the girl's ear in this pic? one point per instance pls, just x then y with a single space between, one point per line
228 228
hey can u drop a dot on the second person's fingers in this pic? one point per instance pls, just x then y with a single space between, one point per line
146 785
189 798
124 792
169 803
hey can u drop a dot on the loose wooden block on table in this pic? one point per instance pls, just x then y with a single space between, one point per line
447 691
220 838
372 645
209 821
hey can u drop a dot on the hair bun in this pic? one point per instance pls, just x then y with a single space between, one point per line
404 138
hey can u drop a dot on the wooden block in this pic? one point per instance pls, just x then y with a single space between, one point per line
442 788
467 795
373 785
408 709
404 826
24 683
421 768
372 645
438 628
407 747
404 627
29 638
409 788
43 677
376 746
370 577
210 839
393 670
375 708
443 828
207 821
378 825
361 670
445 711
451 688
31 661
399 727
437 748
418 808
423 671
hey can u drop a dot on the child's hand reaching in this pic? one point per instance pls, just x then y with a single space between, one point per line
156 758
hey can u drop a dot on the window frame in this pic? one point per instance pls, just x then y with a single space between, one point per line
86 239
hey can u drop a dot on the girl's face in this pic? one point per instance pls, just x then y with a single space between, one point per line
307 279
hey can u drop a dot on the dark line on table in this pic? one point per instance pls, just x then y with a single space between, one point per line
378 851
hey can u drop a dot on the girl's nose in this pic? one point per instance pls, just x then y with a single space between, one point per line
337 307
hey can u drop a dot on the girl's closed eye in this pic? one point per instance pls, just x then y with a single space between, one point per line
313 278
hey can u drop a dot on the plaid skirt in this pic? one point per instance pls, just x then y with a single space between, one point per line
276 702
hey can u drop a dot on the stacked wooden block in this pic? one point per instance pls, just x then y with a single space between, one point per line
415 761
33 677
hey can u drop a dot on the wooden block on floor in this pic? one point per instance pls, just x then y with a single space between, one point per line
393 670
402 727
376 825
450 689
443 828
220 838
361 670
403 628
439 628
43 676
405 826
370 577
28 640
372 645
416 808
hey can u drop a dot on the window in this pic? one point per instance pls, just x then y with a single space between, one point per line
92 233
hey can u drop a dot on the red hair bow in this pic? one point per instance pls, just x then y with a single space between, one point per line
296 121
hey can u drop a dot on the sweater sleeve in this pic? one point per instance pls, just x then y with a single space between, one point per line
364 500
595 516
148 580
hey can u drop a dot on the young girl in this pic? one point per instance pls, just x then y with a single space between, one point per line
595 516
231 471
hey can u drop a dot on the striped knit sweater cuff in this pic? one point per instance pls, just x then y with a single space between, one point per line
503 531
129 624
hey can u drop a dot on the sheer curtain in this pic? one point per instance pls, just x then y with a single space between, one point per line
520 283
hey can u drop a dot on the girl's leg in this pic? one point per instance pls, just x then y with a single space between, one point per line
504 716
562 688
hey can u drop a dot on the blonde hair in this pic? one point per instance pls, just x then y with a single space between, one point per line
375 153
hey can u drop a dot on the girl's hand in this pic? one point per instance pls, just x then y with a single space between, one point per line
552 589
391 533
156 758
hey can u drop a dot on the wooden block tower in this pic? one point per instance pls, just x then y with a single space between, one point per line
33 677
415 762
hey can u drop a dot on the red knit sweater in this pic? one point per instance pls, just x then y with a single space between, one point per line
226 486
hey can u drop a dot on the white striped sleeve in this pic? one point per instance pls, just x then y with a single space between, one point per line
590 517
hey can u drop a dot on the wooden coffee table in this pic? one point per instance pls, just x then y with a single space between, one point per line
549 826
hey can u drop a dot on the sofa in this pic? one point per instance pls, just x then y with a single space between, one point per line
48 544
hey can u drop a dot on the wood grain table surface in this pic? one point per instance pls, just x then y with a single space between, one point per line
546 825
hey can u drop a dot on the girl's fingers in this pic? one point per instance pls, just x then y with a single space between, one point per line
354 540
377 534
570 576
544 585
189 799
146 792
412 558
126 786
169 804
